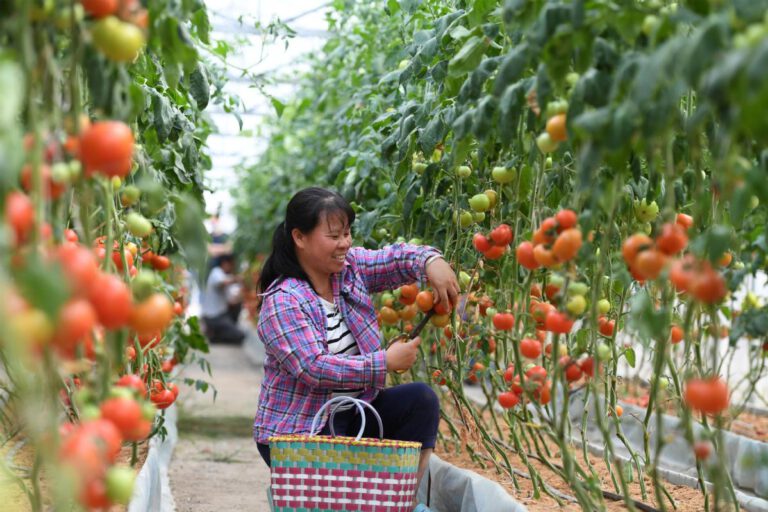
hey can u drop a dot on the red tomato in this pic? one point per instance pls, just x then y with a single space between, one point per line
437 378
672 239
51 188
495 252
161 263
20 215
558 322
567 245
566 219
107 432
70 235
536 373
682 272
702 449
633 246
504 321
94 495
508 399
676 334
605 326
75 321
525 256
125 413
100 8
509 373
151 315
709 395
111 298
106 147
707 285
481 242
571 369
162 399
543 256
502 235
649 263
425 300
686 221
539 311
530 348
588 366
79 266
134 382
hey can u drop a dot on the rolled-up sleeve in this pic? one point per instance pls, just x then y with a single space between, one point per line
393 265
288 335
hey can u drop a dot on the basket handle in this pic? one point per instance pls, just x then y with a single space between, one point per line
336 402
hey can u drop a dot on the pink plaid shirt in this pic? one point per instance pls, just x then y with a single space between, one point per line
299 371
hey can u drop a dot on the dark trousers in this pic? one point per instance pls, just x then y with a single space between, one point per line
409 412
221 329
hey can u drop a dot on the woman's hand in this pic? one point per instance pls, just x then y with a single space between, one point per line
444 282
402 354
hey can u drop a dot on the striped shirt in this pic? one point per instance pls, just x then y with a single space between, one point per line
340 341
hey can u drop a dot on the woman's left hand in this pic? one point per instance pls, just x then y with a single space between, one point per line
444 282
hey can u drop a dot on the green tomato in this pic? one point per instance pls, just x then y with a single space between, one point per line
556 107
576 305
419 167
75 170
415 241
63 19
577 288
138 225
572 78
60 173
480 203
119 482
503 175
545 143
464 279
143 285
464 171
380 234
754 202
647 228
548 163
663 383
603 306
89 412
650 24
478 216
437 154
118 40
490 312
645 212
557 280
387 297
403 64
466 219
604 352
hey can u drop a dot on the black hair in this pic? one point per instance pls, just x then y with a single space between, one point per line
303 213
225 258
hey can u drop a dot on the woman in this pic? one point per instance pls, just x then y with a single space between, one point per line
318 324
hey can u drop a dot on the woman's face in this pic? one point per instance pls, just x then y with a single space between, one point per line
325 248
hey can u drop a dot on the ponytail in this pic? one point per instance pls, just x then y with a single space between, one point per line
303 213
282 262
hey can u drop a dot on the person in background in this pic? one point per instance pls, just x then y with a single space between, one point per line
318 324
220 326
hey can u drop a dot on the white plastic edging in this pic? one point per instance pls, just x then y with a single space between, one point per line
453 489
152 490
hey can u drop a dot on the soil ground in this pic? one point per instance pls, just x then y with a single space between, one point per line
216 465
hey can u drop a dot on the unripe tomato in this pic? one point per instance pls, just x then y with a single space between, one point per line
119 41
545 143
138 225
119 483
576 305
603 306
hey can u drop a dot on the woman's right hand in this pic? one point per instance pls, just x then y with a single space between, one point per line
402 354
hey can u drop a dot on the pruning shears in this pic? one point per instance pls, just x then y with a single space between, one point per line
414 333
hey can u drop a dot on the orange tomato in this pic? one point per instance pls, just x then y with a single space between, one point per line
556 128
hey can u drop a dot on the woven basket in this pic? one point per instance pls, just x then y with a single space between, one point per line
313 473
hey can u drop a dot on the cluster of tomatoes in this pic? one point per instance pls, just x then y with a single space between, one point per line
413 301
494 246
647 258
118 28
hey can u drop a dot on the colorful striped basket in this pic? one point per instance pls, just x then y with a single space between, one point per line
313 473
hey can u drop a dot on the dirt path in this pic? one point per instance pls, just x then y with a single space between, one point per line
215 464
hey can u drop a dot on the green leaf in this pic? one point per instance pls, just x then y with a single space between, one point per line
468 57
410 6
511 69
199 86
629 353
43 286
278 105
163 116
12 85
194 338
479 11
190 232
